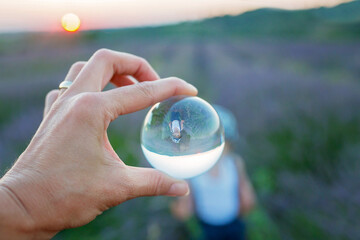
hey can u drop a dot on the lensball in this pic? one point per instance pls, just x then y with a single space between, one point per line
182 136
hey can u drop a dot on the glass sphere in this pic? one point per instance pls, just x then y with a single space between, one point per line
182 136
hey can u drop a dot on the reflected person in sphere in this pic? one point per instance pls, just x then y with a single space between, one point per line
176 125
69 173
221 196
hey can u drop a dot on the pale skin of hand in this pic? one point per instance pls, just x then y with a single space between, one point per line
69 173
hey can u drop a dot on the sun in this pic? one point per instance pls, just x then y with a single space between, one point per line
70 22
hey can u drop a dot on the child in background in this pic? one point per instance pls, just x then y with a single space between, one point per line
221 196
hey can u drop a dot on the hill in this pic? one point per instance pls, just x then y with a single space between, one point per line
340 22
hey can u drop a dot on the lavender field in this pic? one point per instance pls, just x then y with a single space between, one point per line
296 100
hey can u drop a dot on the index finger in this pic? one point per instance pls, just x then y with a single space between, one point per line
105 64
135 97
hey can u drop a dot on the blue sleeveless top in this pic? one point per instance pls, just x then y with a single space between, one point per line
217 198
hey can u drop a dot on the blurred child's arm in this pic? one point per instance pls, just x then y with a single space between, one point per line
246 191
182 208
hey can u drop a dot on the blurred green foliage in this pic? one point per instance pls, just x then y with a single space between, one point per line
308 147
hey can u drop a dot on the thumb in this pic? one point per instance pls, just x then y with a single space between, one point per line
151 182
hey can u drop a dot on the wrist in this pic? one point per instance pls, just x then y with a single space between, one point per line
15 222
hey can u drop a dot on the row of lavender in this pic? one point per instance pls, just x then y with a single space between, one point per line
296 105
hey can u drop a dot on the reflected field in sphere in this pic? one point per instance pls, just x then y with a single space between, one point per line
186 166
182 136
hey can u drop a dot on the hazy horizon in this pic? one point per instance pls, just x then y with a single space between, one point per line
45 15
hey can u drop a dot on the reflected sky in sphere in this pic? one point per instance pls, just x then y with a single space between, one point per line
182 136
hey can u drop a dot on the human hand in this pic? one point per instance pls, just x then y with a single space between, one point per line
69 173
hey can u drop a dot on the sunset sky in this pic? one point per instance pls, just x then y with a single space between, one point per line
45 15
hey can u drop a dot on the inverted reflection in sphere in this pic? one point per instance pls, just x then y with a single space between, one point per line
182 136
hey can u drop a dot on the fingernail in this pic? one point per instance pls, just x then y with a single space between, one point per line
178 189
192 87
